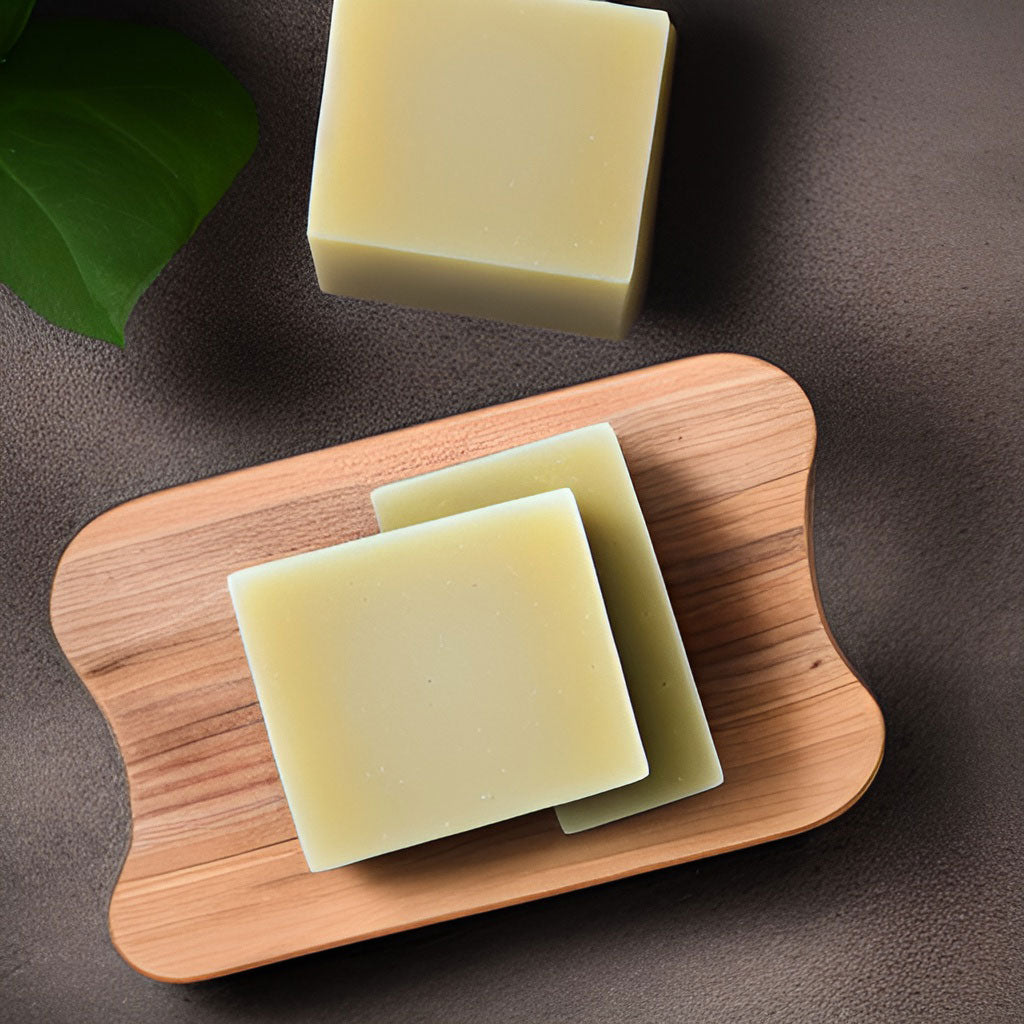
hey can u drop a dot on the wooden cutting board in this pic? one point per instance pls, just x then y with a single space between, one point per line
720 449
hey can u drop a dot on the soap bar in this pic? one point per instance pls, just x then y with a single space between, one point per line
497 158
668 710
424 682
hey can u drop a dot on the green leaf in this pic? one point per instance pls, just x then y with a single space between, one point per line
13 16
115 141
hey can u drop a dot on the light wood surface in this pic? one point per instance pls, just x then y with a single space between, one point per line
720 448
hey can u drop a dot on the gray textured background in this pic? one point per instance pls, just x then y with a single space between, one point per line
842 196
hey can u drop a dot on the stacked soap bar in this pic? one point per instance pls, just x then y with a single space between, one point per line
420 683
498 158
664 696
505 644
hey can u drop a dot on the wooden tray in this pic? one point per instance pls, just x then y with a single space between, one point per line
720 448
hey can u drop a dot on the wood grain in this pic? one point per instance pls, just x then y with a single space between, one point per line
720 448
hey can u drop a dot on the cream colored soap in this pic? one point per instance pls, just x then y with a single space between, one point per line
668 710
424 682
492 157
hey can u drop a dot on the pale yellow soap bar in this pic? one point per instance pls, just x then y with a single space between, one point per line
497 158
668 710
424 682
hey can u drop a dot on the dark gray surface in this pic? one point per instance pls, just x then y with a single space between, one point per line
842 196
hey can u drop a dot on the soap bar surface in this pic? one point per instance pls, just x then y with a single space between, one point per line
492 157
420 683
668 710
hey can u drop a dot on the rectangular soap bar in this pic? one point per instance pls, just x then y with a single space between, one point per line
420 683
497 158
668 710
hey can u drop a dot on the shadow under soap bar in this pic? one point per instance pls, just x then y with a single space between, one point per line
668 709
497 158
450 675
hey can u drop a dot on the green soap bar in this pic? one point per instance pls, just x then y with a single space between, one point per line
673 727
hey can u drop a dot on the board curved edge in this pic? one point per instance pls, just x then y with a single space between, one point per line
871 708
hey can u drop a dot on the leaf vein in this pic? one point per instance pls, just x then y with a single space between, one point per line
60 234
118 130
